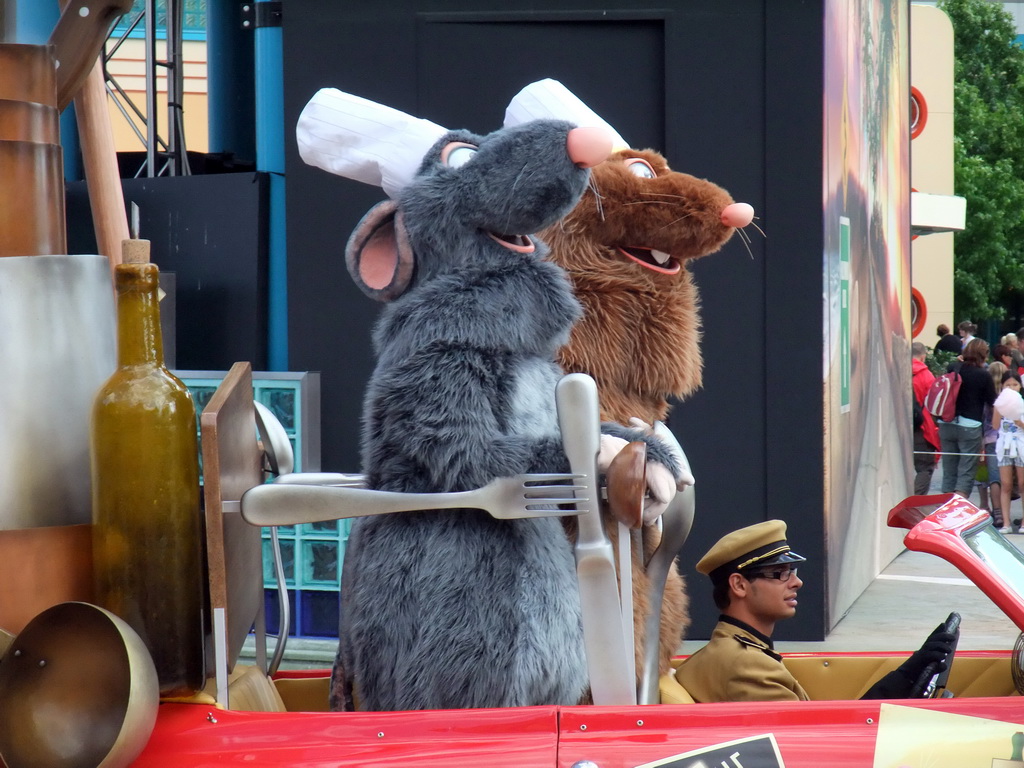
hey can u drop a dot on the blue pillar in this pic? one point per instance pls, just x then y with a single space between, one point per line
229 79
34 20
270 158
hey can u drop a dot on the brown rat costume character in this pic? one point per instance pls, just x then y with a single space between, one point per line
625 246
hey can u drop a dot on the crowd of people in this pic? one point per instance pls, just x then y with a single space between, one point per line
983 444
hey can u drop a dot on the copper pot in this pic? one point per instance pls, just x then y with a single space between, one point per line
29 121
31 199
27 73
45 77
32 192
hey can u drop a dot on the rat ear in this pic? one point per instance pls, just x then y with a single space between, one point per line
378 255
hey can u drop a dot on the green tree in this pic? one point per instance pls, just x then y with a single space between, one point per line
988 157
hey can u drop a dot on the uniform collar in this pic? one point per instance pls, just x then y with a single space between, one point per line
747 628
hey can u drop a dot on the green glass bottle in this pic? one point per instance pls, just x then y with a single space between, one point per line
147 529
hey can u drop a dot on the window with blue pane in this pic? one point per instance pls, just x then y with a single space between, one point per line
312 554
193 21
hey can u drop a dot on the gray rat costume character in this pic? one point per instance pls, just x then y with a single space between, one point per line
456 609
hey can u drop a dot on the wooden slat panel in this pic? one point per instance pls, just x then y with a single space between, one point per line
231 466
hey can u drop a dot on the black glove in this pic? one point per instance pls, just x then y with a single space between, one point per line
898 683
936 650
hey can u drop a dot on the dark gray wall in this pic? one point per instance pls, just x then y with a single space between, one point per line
728 91
211 231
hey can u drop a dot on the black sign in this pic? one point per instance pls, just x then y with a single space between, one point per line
753 752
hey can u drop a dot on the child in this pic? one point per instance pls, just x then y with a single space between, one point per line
1006 417
989 489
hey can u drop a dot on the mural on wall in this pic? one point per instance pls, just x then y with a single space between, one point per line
866 366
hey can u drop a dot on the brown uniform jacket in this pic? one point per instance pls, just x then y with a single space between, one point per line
738 664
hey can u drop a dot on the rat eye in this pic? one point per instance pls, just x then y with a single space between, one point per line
640 167
457 154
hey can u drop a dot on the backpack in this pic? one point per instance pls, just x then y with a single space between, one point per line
940 401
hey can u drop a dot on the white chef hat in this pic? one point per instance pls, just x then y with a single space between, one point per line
363 140
550 100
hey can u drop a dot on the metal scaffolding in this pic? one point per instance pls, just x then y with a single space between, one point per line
164 156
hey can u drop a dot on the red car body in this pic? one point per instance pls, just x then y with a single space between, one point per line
801 734
837 734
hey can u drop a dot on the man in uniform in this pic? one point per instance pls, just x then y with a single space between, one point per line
754 573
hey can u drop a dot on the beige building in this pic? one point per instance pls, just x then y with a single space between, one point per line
931 159
128 69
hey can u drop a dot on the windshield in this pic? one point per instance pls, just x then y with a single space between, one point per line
995 551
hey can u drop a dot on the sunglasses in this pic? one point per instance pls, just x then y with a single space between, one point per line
779 574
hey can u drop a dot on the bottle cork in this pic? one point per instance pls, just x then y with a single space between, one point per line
135 251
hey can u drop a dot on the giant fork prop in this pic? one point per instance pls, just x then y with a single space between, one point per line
315 497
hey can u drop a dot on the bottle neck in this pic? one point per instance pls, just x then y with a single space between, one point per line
139 339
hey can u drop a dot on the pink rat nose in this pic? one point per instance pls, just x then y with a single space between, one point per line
588 146
737 215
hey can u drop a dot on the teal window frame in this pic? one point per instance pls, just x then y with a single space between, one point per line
312 553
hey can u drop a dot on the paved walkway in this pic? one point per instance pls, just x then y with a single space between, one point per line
911 596
907 600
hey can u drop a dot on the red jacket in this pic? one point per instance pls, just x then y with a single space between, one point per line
922 379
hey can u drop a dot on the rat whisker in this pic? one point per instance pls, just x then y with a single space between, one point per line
597 197
745 239
666 194
676 221
508 220
759 229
